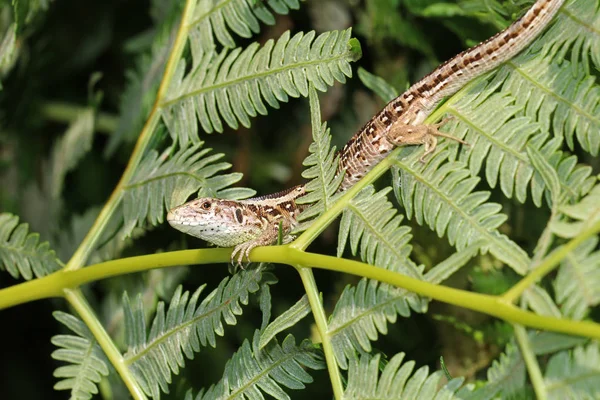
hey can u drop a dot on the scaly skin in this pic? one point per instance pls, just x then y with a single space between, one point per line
256 222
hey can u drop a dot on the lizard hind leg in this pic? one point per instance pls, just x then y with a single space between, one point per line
421 134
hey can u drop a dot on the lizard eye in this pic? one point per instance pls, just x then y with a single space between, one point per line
206 205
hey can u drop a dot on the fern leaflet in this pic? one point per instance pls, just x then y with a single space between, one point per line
21 254
321 165
252 371
362 312
87 361
577 284
153 356
231 85
441 195
159 184
398 382
574 374
585 214
212 18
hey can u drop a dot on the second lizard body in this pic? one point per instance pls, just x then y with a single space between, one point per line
254 222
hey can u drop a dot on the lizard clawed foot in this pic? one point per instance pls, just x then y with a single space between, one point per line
433 132
240 256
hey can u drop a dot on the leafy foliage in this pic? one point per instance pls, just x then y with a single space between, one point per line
212 18
231 85
21 253
574 374
160 183
251 370
153 356
87 361
441 195
362 312
288 319
577 284
584 215
397 381
499 138
321 165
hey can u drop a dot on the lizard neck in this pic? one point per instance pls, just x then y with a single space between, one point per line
369 145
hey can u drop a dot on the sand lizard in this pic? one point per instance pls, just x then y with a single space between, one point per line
254 222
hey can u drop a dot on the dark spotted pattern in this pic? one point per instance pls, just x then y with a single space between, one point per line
369 145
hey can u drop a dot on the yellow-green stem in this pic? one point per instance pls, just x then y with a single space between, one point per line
535 375
549 264
491 305
91 239
78 302
316 306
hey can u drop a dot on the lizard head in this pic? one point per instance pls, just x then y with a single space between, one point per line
224 223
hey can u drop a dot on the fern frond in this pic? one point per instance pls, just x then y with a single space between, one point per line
397 381
506 376
372 221
362 312
251 371
558 95
579 36
584 214
577 284
289 318
441 195
498 135
159 184
231 85
87 362
21 254
241 16
574 374
153 356
321 164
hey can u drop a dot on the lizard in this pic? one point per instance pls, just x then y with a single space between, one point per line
246 224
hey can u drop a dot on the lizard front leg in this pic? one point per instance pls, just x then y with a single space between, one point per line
269 236
420 134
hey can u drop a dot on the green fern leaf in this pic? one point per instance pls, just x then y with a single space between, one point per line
289 318
159 184
252 371
153 356
574 374
212 18
378 85
87 362
441 195
371 221
21 254
231 85
397 381
559 97
362 312
498 135
576 35
577 284
506 376
585 214
321 165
